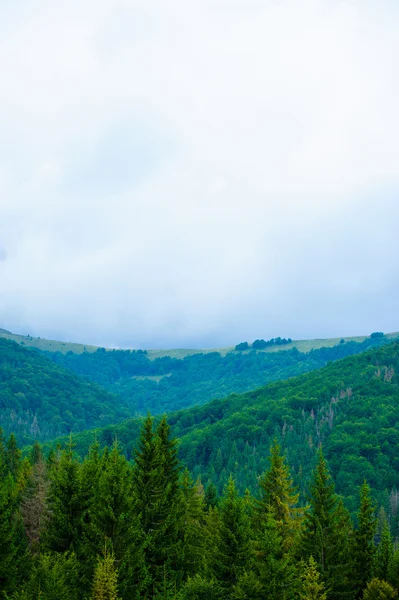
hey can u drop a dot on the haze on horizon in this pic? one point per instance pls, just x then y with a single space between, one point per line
198 173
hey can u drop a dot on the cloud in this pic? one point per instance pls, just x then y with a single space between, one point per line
196 173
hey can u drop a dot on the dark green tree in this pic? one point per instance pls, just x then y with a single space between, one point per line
232 540
384 555
279 497
363 541
327 533
64 528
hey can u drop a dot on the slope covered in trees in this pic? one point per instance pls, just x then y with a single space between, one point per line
167 384
351 407
40 400
104 528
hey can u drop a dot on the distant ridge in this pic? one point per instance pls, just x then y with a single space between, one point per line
179 353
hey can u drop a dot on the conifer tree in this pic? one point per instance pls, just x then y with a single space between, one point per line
384 554
12 540
200 588
13 456
112 519
211 495
278 496
270 574
35 504
191 538
232 541
312 587
105 581
54 576
327 532
363 542
379 590
64 528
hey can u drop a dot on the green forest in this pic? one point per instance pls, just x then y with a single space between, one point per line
167 384
287 491
105 528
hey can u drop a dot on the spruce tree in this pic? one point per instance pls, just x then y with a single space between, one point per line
13 543
112 520
105 581
35 504
363 542
157 495
64 528
379 590
232 541
13 456
312 587
191 538
279 496
327 533
384 553
211 495
271 573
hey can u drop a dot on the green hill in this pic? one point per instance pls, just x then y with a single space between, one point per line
179 353
351 407
168 383
40 400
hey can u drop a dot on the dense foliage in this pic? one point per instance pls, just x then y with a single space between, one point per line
105 528
40 400
350 406
167 384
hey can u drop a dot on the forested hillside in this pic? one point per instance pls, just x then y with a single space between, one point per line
351 407
108 529
40 400
167 384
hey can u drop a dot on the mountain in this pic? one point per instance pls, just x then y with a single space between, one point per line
167 383
351 407
40 400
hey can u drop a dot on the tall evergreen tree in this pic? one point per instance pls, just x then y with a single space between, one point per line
232 547
384 554
13 456
35 504
157 495
13 544
279 497
64 529
327 533
105 581
363 542
271 574
191 539
312 587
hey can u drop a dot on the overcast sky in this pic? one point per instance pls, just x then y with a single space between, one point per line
194 173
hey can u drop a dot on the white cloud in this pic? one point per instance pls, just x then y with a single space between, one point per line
197 172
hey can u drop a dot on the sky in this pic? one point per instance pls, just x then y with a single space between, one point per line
195 173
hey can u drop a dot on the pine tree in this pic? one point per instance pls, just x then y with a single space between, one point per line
232 542
278 496
384 554
105 581
363 541
200 588
312 587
